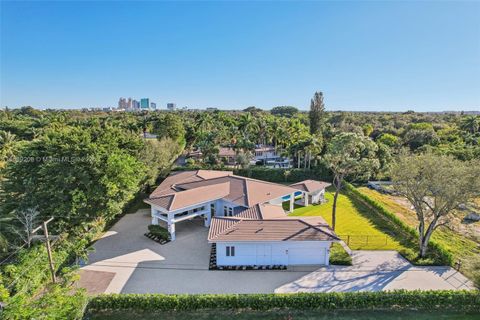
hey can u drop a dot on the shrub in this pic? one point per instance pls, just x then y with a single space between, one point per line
339 256
284 175
158 231
400 299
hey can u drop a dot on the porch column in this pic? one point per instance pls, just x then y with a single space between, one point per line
292 201
171 226
154 218
208 217
305 199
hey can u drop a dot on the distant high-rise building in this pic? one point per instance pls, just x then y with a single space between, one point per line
153 105
144 103
122 103
129 103
171 106
135 104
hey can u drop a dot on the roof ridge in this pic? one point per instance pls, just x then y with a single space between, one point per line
236 222
246 194
320 230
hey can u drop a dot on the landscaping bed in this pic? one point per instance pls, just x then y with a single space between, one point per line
158 234
213 264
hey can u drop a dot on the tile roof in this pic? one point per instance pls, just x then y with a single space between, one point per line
179 200
227 229
310 185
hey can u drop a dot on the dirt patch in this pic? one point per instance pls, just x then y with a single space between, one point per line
95 281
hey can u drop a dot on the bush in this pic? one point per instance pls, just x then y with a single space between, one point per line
400 299
158 231
339 256
441 255
284 175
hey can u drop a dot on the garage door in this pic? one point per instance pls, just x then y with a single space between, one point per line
306 256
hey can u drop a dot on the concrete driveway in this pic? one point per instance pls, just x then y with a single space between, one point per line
376 271
125 261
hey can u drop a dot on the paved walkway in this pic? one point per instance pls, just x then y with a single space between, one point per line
125 261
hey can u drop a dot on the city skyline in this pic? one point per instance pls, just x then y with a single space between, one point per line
370 56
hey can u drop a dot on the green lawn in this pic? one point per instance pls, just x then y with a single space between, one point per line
355 222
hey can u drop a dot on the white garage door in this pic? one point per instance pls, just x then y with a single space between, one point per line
306 256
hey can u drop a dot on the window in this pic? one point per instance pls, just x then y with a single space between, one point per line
230 251
227 211
212 209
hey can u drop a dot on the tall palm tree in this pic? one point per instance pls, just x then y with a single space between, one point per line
471 124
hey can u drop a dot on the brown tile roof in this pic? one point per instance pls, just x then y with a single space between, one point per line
226 229
310 185
226 152
167 185
191 197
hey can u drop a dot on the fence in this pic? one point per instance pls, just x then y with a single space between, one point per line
360 241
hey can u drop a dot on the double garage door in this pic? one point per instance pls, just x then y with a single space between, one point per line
265 255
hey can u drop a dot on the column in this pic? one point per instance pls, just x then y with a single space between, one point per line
208 217
292 201
171 226
154 217
305 199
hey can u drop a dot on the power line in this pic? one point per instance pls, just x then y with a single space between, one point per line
12 254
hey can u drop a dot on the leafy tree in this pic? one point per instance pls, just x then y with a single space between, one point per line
284 111
435 186
367 129
317 113
352 156
170 126
388 140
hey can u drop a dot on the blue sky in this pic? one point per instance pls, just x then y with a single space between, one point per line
383 56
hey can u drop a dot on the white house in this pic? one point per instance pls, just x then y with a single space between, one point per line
245 217
313 190
270 157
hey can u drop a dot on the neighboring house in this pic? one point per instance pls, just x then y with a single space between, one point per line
227 155
270 157
314 191
245 216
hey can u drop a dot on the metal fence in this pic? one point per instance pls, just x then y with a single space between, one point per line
365 240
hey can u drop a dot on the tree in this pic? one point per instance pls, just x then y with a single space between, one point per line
352 156
317 113
435 186
471 124
388 140
284 111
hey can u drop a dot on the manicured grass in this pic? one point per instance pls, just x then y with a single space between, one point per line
355 222
463 248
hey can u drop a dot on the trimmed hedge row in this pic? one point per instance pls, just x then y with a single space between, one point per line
284 175
445 255
401 299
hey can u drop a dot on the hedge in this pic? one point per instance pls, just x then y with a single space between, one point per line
284 175
400 299
442 252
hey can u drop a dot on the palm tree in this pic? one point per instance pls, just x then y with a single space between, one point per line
471 124
7 144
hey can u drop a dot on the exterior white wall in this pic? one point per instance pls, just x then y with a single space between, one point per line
273 253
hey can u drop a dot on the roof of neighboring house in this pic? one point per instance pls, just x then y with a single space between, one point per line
191 197
265 148
310 185
234 229
226 152
262 211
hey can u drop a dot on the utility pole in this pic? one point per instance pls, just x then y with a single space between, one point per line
49 249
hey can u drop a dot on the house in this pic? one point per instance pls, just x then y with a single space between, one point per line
226 154
270 157
245 217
